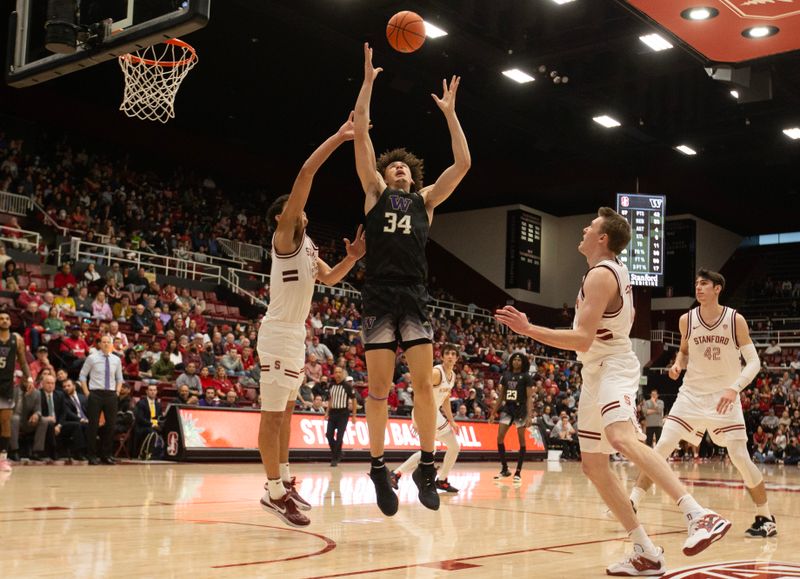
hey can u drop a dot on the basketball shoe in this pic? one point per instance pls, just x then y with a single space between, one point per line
291 491
285 509
424 479
763 527
394 479
505 473
637 564
704 531
443 485
387 500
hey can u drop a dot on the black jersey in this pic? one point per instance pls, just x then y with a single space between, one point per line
8 360
397 232
516 394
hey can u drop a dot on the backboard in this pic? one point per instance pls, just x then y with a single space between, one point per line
105 29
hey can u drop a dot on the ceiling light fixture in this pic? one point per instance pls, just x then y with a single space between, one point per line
432 31
793 133
735 94
700 13
656 42
559 2
607 121
686 150
760 31
517 75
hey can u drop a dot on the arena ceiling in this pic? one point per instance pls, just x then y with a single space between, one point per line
276 77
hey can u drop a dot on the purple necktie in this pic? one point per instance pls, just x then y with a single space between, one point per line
108 373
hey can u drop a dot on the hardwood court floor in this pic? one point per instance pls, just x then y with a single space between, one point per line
204 520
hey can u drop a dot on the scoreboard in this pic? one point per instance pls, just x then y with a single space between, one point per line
644 255
523 250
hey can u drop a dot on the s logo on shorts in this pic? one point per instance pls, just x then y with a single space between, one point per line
627 400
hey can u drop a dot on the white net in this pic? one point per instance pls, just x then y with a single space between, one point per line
153 76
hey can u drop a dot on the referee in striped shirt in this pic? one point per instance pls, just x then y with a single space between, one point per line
339 394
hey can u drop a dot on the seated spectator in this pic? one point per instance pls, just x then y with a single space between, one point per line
90 277
461 413
122 310
40 363
223 384
206 378
185 396
32 324
773 348
53 324
313 369
11 285
115 274
130 365
29 295
64 278
209 398
111 290
232 362
190 379
175 355
4 257
478 412
163 368
147 416
317 405
231 400
75 421
136 280
305 395
142 320
10 271
100 308
321 351
563 436
770 422
83 303
114 332
64 302
791 454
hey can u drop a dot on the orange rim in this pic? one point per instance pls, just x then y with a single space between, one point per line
166 63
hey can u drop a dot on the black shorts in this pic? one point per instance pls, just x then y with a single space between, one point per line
392 314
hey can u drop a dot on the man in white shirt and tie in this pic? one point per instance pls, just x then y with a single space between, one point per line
101 380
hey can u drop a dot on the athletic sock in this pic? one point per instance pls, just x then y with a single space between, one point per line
520 459
377 462
691 509
763 511
276 489
637 494
426 458
640 538
501 448
285 475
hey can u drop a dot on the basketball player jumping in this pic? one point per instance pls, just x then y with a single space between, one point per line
12 352
446 427
713 338
281 337
606 413
399 211
516 399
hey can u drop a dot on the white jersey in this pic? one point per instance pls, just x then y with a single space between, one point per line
442 391
714 359
613 335
292 279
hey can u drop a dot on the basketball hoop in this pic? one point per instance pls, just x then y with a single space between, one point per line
153 76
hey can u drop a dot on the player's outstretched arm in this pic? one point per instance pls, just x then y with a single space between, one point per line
682 358
462 161
599 288
371 181
355 251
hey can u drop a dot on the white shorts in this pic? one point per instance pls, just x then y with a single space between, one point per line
693 414
282 356
508 420
608 395
442 425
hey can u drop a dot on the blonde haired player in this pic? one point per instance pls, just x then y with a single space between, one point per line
446 427
295 268
606 413
713 338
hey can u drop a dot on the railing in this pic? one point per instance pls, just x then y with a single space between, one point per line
21 239
15 204
234 283
334 328
240 249
782 337
206 258
461 308
667 337
66 231
83 251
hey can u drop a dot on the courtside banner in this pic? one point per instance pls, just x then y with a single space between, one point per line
223 428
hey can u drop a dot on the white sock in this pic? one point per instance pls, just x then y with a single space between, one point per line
276 489
637 494
640 538
691 509
3 455
763 511
285 476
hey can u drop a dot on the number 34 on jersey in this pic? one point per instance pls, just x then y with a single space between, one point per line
393 224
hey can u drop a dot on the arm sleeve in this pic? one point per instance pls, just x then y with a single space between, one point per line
751 368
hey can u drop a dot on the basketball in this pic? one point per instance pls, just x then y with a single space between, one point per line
406 31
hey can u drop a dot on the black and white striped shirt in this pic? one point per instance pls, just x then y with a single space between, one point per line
339 395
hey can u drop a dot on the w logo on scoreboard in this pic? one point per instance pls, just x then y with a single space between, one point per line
656 203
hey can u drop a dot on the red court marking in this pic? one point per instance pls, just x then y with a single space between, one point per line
558 551
153 504
487 556
451 565
47 509
330 544
738 484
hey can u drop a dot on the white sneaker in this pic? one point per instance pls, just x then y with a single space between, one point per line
5 466
637 564
704 531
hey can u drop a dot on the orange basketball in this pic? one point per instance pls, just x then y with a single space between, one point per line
405 31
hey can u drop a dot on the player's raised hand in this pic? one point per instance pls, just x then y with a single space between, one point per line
370 72
513 318
675 371
448 101
346 132
727 400
358 247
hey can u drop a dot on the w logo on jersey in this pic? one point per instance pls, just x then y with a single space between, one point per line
400 203
369 321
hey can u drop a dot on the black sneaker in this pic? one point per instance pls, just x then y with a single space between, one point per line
387 500
427 489
505 473
443 485
763 527
394 477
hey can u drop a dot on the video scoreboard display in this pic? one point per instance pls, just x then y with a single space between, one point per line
524 250
644 255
